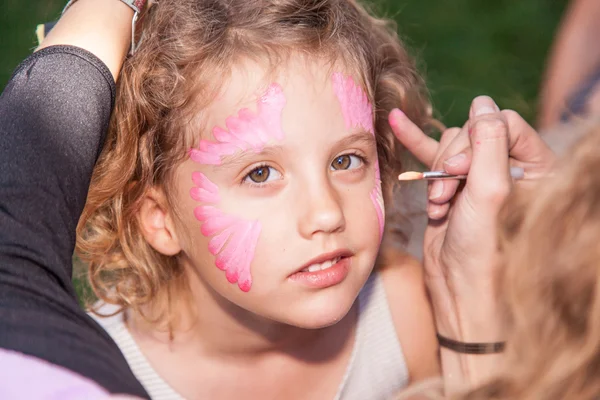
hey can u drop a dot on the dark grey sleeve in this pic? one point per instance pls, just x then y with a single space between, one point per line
54 113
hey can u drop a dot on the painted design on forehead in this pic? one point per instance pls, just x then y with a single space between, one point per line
234 239
247 131
356 108
357 111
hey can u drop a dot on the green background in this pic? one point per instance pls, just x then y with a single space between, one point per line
465 48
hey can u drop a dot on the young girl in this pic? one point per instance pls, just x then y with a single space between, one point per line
236 213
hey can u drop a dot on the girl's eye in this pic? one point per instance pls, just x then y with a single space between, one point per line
262 174
347 161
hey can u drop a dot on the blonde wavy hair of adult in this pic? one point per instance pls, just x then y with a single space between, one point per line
188 48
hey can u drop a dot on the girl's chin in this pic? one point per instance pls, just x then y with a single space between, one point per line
317 319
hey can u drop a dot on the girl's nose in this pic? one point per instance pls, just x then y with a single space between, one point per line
322 211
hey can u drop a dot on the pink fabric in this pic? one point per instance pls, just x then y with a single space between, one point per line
26 377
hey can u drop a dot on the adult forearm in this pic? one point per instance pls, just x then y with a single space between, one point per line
574 55
102 27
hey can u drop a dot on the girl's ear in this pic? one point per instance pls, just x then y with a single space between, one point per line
156 223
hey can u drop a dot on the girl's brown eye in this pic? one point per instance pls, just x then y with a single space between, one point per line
259 175
342 162
262 175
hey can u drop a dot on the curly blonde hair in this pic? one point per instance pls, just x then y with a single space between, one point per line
188 47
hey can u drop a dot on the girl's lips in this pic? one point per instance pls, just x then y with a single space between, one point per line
325 258
324 278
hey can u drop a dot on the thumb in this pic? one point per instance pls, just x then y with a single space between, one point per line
489 181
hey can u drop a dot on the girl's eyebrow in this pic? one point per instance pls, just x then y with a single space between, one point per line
242 157
362 136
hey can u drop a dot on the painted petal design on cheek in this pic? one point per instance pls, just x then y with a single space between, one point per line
231 252
245 279
218 241
205 191
234 239
204 183
356 108
237 255
247 131
214 221
203 195
377 199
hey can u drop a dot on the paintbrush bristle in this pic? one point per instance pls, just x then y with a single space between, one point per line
410 176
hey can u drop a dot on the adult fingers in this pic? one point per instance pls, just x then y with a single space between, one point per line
469 244
437 211
456 157
446 140
442 191
423 147
526 149
526 146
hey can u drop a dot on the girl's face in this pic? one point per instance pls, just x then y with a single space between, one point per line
281 201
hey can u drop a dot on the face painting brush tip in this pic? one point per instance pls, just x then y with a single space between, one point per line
410 176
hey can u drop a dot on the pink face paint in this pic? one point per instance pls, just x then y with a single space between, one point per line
357 111
247 131
377 199
233 239
356 108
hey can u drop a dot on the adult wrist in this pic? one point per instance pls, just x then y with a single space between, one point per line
470 316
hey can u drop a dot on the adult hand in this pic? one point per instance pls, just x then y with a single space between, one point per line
460 248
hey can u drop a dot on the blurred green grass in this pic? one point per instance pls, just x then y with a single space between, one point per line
464 47
473 47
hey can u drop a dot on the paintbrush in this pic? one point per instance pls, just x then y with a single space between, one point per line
515 172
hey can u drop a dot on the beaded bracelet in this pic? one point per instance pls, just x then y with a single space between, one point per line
471 348
136 5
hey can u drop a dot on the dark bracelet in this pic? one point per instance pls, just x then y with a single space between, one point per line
471 348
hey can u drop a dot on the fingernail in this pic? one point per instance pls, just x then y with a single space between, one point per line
396 112
395 115
483 110
455 160
484 105
433 211
437 188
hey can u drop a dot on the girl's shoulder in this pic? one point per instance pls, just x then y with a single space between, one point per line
404 286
